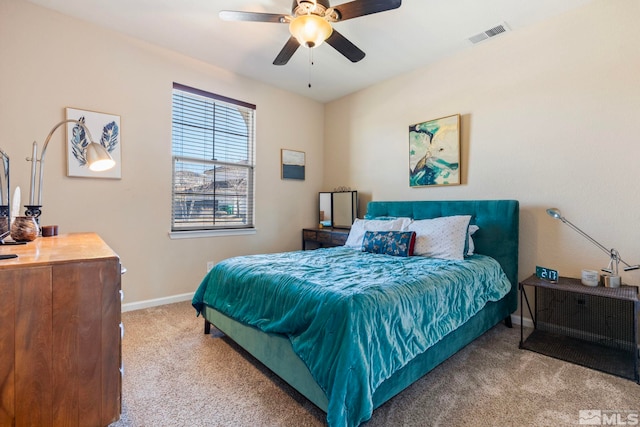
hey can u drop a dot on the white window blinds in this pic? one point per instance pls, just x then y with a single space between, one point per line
213 161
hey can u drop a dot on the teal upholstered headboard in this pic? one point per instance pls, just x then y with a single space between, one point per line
498 221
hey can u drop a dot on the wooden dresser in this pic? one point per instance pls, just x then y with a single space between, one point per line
60 333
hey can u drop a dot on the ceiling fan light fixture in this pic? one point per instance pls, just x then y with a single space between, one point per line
310 30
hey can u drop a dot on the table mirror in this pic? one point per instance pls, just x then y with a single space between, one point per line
325 210
338 209
4 195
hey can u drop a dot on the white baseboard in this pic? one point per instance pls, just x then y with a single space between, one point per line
515 319
156 302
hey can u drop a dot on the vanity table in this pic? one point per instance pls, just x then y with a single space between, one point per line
337 211
323 237
60 358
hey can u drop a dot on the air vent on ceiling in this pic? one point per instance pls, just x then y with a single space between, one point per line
492 32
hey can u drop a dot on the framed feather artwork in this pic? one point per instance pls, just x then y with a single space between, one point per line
105 130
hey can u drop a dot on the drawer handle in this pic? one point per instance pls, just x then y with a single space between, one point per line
123 269
121 331
121 295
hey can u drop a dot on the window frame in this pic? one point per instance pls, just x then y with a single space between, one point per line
185 231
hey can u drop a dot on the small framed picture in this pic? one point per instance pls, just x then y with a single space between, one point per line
105 130
293 163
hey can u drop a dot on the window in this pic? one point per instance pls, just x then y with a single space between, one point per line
213 161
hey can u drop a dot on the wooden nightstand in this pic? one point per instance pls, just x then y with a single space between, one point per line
324 237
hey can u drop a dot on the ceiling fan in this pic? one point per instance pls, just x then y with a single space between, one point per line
310 24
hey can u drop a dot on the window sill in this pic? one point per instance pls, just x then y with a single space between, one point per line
210 233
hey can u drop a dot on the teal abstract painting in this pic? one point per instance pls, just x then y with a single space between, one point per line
434 152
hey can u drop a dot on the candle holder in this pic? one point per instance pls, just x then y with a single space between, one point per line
33 210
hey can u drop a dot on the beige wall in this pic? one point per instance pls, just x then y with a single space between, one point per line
50 61
550 116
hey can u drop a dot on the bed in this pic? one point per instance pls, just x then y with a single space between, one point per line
346 327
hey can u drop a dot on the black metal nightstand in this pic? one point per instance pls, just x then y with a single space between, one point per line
595 327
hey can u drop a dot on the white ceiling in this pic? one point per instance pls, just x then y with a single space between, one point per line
395 42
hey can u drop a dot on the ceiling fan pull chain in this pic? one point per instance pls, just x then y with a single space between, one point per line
310 65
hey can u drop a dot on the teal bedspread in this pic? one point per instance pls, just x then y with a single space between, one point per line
353 317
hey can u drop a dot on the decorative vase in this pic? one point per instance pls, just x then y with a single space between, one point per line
24 229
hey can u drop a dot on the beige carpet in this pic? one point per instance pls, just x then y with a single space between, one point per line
177 376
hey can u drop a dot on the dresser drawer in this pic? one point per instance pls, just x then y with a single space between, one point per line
324 237
339 239
310 235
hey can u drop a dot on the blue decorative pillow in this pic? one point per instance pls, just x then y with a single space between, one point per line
360 226
396 243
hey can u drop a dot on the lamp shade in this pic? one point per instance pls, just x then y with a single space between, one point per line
99 158
310 30
554 212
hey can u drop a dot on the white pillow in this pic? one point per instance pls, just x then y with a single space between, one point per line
361 226
444 237
471 246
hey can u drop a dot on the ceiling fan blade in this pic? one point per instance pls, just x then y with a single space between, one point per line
234 15
287 51
345 47
358 8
